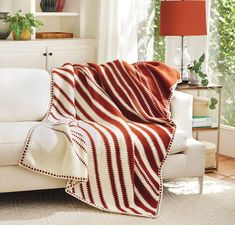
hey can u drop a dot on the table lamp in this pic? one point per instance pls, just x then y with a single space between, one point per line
183 18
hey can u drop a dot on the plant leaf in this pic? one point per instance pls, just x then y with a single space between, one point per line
19 22
214 101
202 75
212 107
202 58
204 82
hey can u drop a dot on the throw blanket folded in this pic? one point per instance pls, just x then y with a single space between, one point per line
108 132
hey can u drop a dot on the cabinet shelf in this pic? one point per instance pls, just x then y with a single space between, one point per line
205 128
210 169
58 14
77 16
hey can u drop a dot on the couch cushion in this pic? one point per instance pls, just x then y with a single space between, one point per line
24 95
180 142
13 136
12 139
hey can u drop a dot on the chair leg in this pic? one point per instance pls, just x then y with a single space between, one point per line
200 181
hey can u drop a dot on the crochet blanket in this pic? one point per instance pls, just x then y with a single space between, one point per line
108 132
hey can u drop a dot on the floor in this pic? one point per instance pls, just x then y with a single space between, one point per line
226 169
181 205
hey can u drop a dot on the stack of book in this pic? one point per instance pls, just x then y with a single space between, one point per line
202 121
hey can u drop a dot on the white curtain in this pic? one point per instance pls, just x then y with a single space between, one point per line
117 30
145 24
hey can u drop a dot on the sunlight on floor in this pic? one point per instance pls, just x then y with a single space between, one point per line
191 186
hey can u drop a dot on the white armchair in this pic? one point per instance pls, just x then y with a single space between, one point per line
190 162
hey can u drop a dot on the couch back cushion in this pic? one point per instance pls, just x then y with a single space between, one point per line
24 94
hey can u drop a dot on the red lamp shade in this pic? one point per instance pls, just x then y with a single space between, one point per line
183 18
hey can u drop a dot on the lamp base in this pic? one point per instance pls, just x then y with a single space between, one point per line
184 82
184 75
182 60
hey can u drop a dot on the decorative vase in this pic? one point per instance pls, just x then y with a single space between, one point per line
48 5
194 78
60 5
4 26
25 35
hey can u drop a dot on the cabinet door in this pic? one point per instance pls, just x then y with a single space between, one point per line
57 56
23 56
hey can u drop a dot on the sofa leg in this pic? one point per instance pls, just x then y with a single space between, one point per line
200 181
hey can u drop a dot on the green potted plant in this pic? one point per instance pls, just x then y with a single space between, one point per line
196 72
197 76
22 25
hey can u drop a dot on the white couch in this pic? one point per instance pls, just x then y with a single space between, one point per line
24 101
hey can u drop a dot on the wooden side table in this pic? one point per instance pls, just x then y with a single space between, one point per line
214 127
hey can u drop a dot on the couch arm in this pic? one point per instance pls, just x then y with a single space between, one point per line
181 111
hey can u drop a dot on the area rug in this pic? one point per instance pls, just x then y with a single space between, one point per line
181 205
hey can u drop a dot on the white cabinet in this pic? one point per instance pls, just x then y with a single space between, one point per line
78 17
46 54
57 56
19 56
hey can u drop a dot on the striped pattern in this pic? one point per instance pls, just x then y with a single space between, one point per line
120 127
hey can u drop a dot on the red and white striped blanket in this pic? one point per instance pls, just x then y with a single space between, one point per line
108 132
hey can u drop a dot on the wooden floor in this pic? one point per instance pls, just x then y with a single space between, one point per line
226 169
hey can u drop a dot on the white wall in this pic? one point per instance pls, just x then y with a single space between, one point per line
197 45
89 15
5 5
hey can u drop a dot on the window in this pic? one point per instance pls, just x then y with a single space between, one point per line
222 54
159 41
151 45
